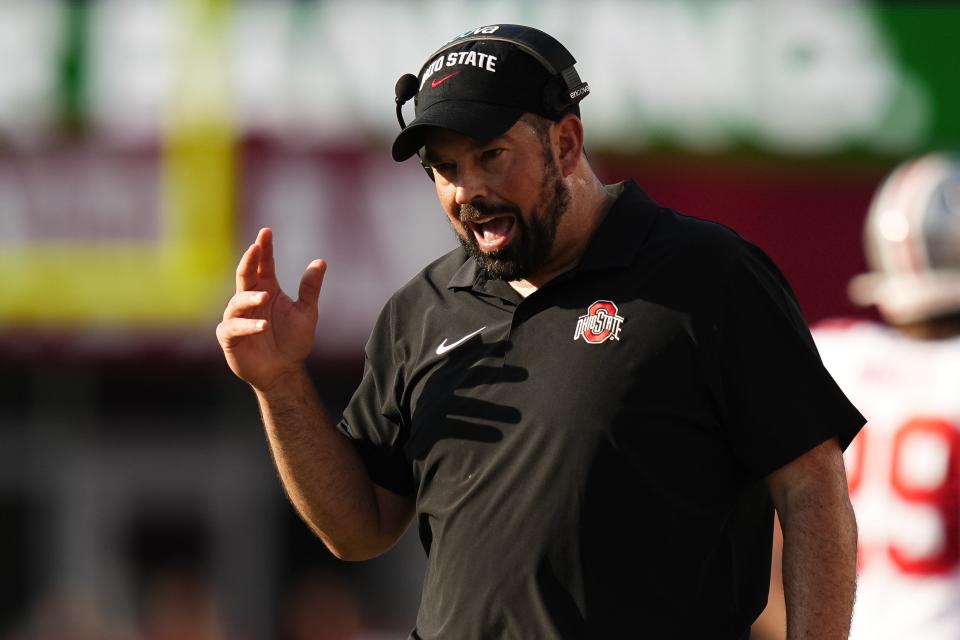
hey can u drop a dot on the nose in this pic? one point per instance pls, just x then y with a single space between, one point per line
470 186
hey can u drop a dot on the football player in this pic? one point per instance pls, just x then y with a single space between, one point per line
903 469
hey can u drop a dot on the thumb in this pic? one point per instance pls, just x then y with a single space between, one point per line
310 284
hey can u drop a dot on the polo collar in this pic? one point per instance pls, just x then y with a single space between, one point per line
468 277
616 242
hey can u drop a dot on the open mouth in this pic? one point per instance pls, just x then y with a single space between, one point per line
493 232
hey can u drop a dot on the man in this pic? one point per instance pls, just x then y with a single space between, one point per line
588 406
904 469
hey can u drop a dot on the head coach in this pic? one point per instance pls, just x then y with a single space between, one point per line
592 407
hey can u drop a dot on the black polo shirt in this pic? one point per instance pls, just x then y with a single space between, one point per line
589 461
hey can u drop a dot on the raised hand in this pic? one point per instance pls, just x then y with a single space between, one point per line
264 333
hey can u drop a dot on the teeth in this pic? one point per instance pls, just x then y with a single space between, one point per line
484 220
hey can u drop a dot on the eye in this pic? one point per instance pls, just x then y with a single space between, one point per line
491 154
445 169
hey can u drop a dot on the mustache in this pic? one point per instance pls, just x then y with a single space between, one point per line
479 209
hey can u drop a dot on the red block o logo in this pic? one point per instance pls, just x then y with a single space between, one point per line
600 323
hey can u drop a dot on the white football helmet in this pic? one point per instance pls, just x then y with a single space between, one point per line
912 238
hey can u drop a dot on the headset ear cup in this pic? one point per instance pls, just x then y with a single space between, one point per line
555 98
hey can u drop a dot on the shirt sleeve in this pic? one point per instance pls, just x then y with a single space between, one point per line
373 419
778 400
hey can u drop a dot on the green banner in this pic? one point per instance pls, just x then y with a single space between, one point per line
924 37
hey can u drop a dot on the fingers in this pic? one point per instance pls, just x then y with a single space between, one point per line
310 284
265 241
244 303
237 322
230 330
257 261
247 269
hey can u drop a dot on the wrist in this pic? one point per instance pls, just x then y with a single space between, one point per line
290 380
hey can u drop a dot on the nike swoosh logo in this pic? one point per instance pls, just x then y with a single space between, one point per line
444 347
437 83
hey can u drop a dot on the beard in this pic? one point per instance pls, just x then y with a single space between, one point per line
535 234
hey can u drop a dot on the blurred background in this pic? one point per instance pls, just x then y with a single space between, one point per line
143 143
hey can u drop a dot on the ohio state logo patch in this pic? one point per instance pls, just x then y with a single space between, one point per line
599 324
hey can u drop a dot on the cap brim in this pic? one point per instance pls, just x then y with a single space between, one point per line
479 120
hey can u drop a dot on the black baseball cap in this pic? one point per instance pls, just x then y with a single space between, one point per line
479 88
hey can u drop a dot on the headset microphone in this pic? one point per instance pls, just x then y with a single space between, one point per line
405 89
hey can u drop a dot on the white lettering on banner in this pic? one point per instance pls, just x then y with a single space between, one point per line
689 75
29 35
132 65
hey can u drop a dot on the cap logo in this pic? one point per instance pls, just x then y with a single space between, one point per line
437 83
483 61
600 323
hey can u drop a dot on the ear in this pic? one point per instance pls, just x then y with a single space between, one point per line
568 142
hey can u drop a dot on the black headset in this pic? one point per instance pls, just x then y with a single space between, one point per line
561 93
